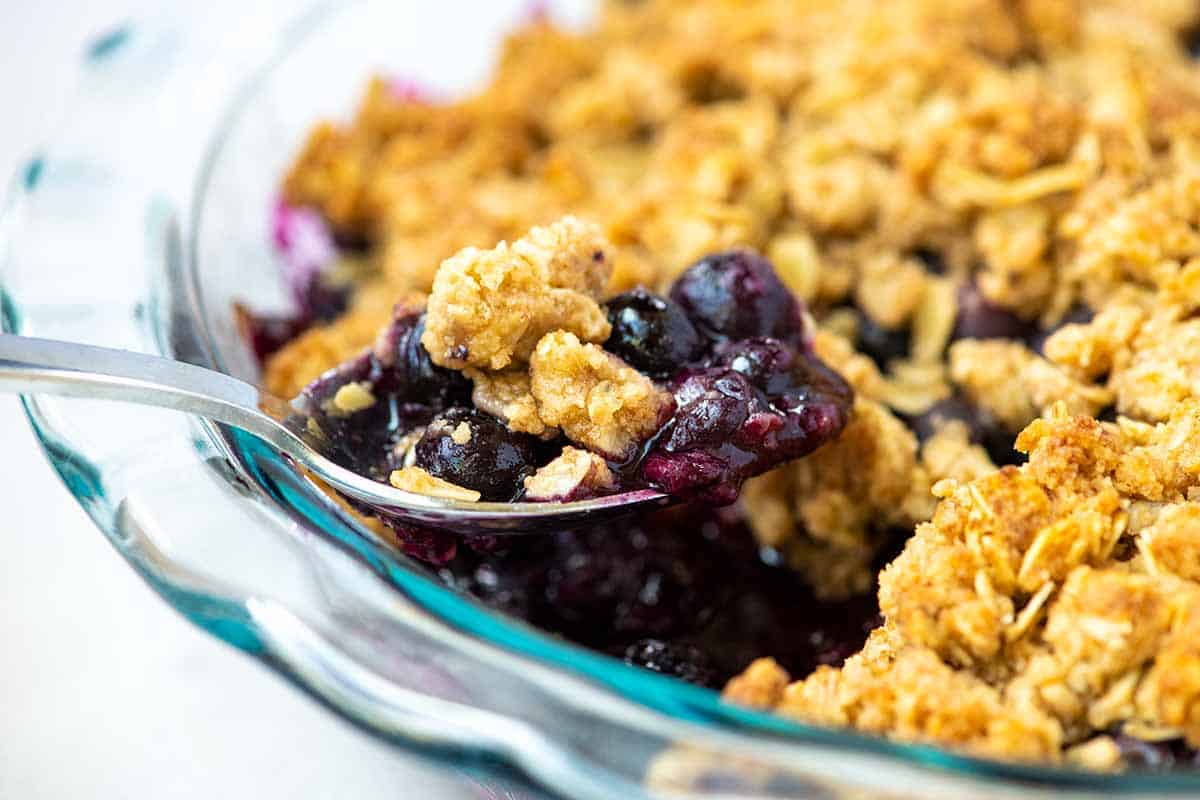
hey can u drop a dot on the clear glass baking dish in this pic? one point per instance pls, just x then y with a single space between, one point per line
140 226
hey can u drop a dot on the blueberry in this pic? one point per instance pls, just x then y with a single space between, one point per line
882 344
677 659
1158 756
1078 315
757 404
651 333
406 370
979 318
981 428
324 302
932 260
737 295
267 333
711 408
470 448
926 424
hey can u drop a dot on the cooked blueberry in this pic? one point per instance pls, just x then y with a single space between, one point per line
881 344
1079 315
737 295
424 544
932 260
760 403
651 333
405 368
711 408
267 333
324 302
470 448
676 659
1163 755
979 318
952 408
401 389
616 585
1191 41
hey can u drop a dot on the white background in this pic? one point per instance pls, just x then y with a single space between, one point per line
104 691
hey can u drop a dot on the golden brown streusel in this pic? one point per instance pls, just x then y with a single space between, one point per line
507 396
573 472
489 308
415 479
1015 385
1012 595
596 399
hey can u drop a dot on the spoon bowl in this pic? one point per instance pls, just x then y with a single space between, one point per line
44 366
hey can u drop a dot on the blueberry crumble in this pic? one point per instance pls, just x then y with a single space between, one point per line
741 390
899 298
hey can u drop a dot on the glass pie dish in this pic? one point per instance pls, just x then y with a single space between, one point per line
140 228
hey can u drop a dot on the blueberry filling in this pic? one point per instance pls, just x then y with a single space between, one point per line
392 375
267 333
682 592
1156 756
881 344
979 318
981 428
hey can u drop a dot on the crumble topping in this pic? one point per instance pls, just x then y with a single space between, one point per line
489 308
415 479
1015 385
507 396
1016 613
573 475
354 396
595 398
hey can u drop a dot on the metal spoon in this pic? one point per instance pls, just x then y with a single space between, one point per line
45 366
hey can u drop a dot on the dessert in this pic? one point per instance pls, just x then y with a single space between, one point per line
917 278
524 323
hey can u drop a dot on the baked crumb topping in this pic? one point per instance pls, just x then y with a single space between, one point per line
415 479
1040 604
574 475
596 399
489 308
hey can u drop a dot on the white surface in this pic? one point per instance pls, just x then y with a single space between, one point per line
104 691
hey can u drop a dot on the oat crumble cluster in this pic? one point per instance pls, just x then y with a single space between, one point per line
991 211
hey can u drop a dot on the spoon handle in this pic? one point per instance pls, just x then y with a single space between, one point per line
67 369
